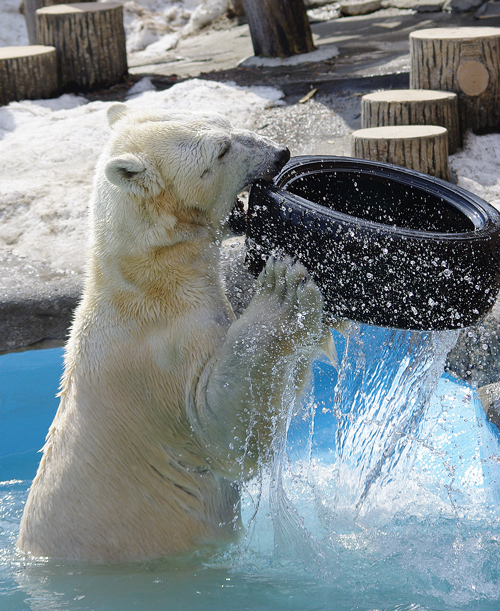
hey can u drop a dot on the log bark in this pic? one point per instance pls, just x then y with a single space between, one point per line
419 147
30 9
465 61
27 73
279 28
413 107
90 42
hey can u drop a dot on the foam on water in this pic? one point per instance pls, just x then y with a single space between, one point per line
382 496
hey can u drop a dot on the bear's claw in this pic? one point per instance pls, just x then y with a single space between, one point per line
292 294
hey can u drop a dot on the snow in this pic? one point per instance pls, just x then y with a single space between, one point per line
241 105
477 167
13 30
319 55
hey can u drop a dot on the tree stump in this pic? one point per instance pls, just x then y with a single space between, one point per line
30 9
279 28
465 61
413 107
27 73
90 42
419 147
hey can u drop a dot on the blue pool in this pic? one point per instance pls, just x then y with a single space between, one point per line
384 497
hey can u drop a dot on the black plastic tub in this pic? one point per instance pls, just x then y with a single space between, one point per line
387 246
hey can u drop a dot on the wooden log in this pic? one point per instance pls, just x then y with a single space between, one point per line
27 73
30 9
419 147
413 107
465 61
90 43
279 28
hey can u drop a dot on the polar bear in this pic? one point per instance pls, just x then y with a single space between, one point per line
167 401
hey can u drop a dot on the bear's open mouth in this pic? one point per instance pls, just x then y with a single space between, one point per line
237 221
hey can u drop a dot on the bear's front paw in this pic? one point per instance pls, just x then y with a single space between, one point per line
293 296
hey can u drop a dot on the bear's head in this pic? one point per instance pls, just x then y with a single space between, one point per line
178 165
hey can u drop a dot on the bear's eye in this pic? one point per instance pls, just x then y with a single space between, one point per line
224 151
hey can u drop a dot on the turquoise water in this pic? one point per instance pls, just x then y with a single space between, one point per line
384 497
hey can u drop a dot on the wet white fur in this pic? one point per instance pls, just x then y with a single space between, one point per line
166 400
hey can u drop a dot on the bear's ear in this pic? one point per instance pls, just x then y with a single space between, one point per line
131 173
115 112
125 171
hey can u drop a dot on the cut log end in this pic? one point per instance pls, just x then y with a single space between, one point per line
455 33
409 95
25 51
473 77
423 148
413 107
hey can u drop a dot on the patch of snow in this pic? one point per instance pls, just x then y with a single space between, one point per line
145 84
205 13
13 32
155 49
241 105
155 26
324 13
48 158
153 23
477 167
326 52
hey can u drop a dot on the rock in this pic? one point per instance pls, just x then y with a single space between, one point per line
421 6
488 10
359 7
428 6
490 400
36 304
462 6
316 3
476 355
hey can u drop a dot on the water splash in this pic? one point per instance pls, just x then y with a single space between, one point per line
381 486
385 383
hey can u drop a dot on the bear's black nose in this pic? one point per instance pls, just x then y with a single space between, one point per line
284 157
